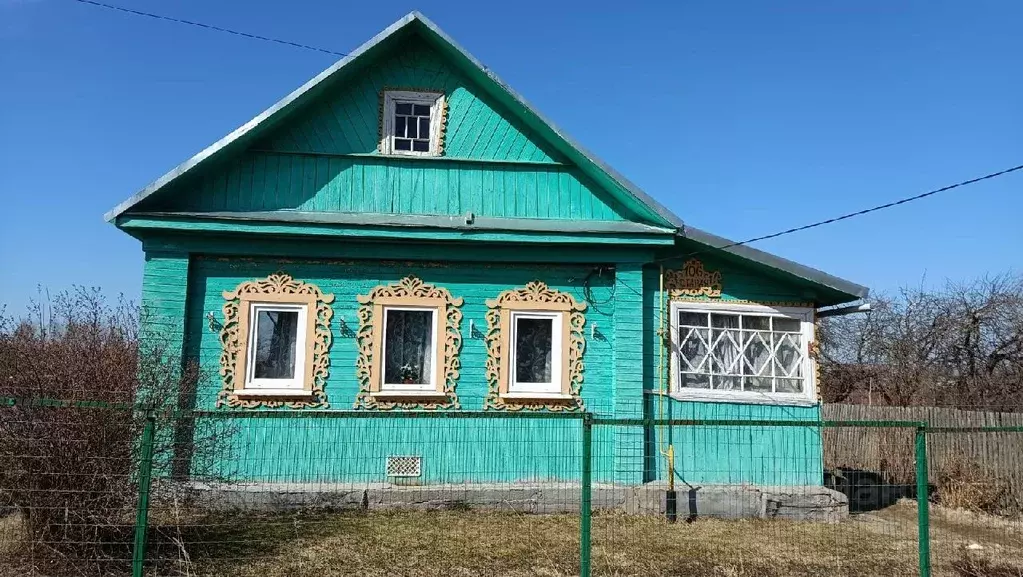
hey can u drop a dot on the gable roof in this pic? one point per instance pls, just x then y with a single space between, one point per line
660 218
616 184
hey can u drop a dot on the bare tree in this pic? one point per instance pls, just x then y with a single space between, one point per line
961 345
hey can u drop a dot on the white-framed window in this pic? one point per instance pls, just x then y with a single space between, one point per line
536 350
276 353
412 122
742 353
409 349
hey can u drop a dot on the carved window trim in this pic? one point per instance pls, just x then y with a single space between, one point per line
278 288
692 280
536 296
408 292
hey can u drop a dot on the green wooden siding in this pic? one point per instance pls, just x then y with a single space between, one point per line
620 360
303 450
163 297
324 158
736 455
266 181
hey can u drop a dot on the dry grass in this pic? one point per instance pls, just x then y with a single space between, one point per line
11 533
463 543
476 543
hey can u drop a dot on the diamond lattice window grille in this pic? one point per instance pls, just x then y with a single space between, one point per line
751 353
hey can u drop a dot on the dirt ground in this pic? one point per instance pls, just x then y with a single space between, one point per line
482 543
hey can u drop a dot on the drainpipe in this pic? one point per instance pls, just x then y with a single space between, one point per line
842 311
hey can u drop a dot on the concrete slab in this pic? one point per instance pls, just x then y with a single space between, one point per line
805 503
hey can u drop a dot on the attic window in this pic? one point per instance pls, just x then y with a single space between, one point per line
412 123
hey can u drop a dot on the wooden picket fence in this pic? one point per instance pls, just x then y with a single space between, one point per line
971 470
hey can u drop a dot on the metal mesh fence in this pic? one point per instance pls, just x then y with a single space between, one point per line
976 515
753 497
91 489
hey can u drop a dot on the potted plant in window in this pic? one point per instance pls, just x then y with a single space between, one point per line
408 373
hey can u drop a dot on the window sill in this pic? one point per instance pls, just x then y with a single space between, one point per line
408 395
743 398
290 393
537 397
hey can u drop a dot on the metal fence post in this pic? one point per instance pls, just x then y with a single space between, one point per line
923 503
586 498
145 473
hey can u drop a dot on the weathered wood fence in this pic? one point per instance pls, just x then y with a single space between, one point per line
973 470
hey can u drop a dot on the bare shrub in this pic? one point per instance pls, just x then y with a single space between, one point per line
71 472
963 484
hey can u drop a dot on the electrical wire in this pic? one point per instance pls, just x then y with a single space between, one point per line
210 27
853 214
723 247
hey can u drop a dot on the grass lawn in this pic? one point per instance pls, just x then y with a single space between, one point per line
477 543
471 543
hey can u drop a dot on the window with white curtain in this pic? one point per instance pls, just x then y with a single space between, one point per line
536 347
276 347
409 348
744 353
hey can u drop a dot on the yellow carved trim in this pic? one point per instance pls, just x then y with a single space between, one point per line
535 296
409 291
276 288
692 280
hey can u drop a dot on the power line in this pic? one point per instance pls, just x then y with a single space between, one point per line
727 246
209 27
859 212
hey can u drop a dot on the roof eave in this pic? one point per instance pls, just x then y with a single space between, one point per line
855 291
259 119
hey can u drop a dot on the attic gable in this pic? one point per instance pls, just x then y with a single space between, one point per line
488 122
347 120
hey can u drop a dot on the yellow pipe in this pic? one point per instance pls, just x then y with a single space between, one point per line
663 384
671 468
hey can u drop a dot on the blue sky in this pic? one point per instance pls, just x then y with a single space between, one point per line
743 117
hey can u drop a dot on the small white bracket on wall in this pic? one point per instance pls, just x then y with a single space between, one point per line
593 330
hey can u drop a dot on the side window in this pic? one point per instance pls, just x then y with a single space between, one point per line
535 345
276 337
409 338
412 123
746 353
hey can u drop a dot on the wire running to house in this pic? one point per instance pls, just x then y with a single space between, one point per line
854 214
210 27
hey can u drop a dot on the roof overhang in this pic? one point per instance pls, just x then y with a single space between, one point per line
849 289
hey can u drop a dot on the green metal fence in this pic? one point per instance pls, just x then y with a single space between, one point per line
114 489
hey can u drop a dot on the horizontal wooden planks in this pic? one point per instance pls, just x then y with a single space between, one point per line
267 181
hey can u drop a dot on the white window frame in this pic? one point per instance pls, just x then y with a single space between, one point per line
807 397
553 387
435 100
292 386
430 386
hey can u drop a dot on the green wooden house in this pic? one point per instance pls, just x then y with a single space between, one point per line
404 232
